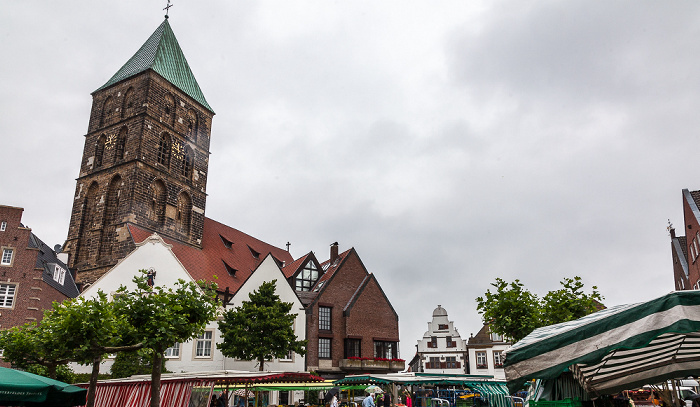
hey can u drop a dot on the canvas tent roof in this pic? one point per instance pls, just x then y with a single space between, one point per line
614 349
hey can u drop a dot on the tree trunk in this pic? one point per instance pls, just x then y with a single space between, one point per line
93 382
52 371
155 378
262 364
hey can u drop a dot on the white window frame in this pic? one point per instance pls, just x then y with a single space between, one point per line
496 337
497 359
8 293
3 226
288 358
330 348
206 339
173 352
8 262
325 318
482 356
59 274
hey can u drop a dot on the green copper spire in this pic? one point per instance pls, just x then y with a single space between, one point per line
162 53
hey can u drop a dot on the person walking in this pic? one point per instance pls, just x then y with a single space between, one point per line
386 401
368 401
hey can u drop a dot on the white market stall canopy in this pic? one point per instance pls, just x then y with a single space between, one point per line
614 349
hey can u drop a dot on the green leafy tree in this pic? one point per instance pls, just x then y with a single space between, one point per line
260 329
31 344
163 316
513 311
131 363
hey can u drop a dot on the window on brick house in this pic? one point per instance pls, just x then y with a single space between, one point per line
7 295
497 359
192 124
307 277
385 349
481 361
324 348
7 255
3 226
100 150
188 163
184 213
324 318
164 150
158 198
353 348
203 345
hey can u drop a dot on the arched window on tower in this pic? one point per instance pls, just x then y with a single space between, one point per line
169 110
87 224
107 111
128 103
121 145
192 125
111 212
188 163
164 150
184 213
100 150
158 198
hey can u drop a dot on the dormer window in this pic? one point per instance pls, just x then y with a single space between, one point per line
230 270
307 278
227 242
59 274
442 327
496 337
255 254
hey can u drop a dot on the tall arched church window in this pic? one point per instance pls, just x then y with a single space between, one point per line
128 103
100 150
188 163
107 111
87 223
111 217
169 110
158 198
192 125
164 150
121 145
307 277
184 213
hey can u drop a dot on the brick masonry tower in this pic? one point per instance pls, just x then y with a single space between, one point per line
145 159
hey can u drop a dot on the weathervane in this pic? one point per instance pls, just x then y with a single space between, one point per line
167 9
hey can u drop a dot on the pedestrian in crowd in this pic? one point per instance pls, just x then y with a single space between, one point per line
213 402
368 401
334 400
224 398
386 401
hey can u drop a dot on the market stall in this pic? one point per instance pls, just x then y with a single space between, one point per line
494 391
187 389
614 349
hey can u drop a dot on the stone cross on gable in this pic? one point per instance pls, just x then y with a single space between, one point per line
167 9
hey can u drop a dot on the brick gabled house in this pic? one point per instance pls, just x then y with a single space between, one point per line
351 326
685 250
32 276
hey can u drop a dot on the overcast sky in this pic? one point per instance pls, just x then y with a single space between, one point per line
449 142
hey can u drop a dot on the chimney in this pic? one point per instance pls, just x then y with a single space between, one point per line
673 233
334 252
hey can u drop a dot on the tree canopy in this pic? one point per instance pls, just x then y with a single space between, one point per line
260 329
513 311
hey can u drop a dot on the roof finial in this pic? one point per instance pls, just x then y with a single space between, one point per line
167 9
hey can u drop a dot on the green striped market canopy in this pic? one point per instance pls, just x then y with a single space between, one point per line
614 349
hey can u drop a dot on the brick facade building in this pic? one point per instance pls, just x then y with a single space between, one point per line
31 275
685 250
351 326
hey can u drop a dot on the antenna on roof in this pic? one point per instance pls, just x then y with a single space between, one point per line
167 9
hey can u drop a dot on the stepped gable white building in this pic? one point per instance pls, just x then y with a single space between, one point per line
441 350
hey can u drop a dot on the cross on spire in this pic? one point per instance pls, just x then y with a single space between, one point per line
167 9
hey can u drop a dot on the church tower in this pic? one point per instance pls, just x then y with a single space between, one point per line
145 159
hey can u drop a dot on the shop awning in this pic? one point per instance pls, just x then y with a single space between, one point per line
614 349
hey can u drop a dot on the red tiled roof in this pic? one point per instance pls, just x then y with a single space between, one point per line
292 268
208 262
